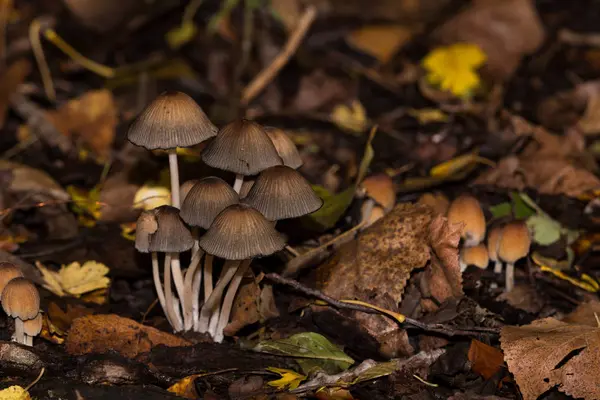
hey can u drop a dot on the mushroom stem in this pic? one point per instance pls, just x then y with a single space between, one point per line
19 331
510 276
172 308
214 300
497 267
237 185
28 340
208 287
463 265
174 173
157 284
178 278
229 298
367 210
190 277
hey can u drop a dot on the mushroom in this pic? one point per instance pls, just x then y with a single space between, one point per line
205 200
285 147
241 147
514 244
493 241
185 188
8 271
246 186
466 209
437 201
32 327
238 234
380 193
171 237
476 255
21 301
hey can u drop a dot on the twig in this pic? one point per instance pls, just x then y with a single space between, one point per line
435 328
38 52
36 379
261 80
579 39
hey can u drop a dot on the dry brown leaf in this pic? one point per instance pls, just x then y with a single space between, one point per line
525 297
245 308
485 360
14 75
62 320
380 41
91 118
109 332
585 314
505 30
549 353
318 90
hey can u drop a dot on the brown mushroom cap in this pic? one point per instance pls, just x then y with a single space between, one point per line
171 235
21 299
240 232
380 188
206 200
515 242
33 327
246 186
438 201
281 192
242 147
466 209
145 227
493 242
185 188
172 120
476 255
285 147
8 271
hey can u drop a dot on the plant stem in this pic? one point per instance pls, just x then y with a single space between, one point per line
214 300
19 331
229 298
239 181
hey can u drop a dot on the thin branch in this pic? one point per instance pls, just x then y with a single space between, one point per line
261 80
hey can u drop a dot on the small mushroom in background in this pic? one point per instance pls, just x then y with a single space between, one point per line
238 234
32 327
379 192
21 301
437 201
493 241
467 210
476 255
185 188
285 147
242 147
514 244
246 186
8 271
204 202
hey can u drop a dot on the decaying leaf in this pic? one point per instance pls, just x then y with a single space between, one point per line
245 308
185 387
525 297
380 41
485 360
352 118
25 179
552 354
311 350
14 393
587 313
75 279
10 80
289 380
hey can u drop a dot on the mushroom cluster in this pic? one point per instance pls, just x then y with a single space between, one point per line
233 223
20 300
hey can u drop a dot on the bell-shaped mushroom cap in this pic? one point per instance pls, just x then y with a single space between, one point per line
281 192
206 200
438 201
380 188
242 147
171 235
21 299
145 227
476 255
8 271
185 188
493 242
285 147
33 327
246 186
172 120
240 232
515 242
466 209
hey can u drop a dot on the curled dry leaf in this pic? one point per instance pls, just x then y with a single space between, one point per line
485 360
585 314
75 279
525 297
245 308
505 30
552 354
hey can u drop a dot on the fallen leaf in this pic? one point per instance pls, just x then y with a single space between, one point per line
552 354
75 279
289 380
587 313
86 205
428 115
245 308
380 41
485 360
186 387
10 80
109 332
311 351
28 180
14 393
501 210
524 297
352 118
318 89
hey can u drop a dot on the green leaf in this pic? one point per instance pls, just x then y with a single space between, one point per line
501 210
521 207
545 230
379 370
181 35
311 350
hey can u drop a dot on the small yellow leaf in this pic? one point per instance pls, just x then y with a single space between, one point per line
86 205
289 379
185 387
14 393
181 34
77 279
128 230
51 280
149 197
352 119
428 115
452 167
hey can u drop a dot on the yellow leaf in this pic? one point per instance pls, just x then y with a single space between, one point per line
86 205
289 379
353 118
75 279
181 35
380 41
185 387
458 164
51 280
428 115
128 230
149 197
14 393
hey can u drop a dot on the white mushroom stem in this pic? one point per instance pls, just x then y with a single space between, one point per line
367 209
172 306
19 331
190 276
214 300
239 181
178 279
158 285
208 287
510 276
28 340
174 173
497 267
229 298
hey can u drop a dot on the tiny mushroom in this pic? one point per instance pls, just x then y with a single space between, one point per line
8 271
476 255
467 210
21 301
285 147
32 327
185 189
437 201
514 244
380 193
241 147
238 234
493 241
